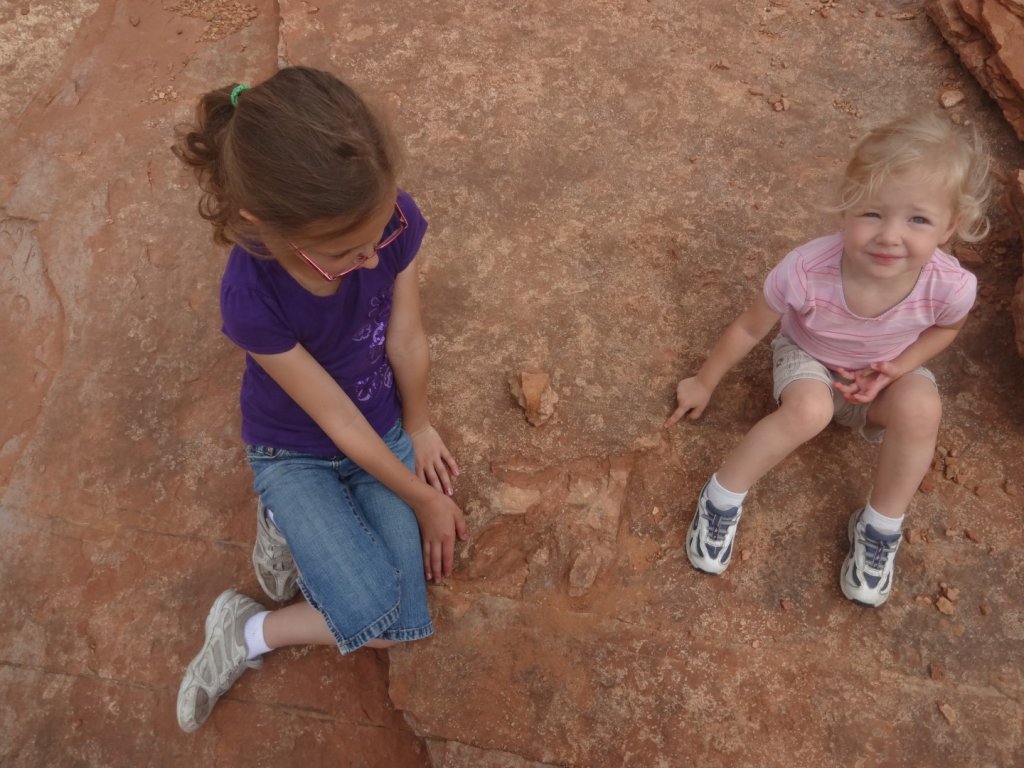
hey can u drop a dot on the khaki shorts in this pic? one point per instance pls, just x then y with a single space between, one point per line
790 363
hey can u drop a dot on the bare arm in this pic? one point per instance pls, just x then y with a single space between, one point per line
733 345
319 395
409 355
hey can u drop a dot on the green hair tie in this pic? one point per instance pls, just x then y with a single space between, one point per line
234 93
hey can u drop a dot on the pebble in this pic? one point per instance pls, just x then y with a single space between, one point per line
952 593
134 20
950 97
927 483
945 606
949 713
745 555
915 536
984 609
786 603
973 535
923 599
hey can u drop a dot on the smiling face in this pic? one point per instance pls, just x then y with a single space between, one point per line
893 232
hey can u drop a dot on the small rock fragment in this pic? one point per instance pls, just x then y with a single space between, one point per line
904 16
915 536
721 64
950 97
951 593
967 254
949 713
532 390
134 20
745 555
950 533
945 606
936 671
984 609
786 603
755 91
927 483
756 644
923 599
973 535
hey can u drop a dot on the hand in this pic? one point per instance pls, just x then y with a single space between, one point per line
692 397
440 521
866 383
434 463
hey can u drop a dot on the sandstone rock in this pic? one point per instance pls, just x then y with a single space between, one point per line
945 606
532 390
950 97
949 713
989 38
1015 203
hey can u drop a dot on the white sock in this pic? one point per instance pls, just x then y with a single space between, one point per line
255 645
721 497
881 523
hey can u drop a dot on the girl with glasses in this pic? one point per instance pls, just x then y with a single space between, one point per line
320 291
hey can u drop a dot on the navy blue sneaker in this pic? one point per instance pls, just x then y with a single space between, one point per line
866 577
709 540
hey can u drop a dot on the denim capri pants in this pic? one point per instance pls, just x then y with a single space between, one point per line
356 544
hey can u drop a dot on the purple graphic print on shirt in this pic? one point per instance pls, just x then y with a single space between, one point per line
375 330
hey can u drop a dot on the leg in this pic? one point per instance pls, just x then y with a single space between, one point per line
345 573
302 624
909 410
806 409
395 524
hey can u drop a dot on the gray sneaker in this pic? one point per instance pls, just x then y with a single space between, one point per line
866 575
220 662
275 567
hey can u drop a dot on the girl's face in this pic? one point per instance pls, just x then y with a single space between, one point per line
335 256
894 232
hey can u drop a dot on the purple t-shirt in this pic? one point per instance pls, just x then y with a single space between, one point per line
267 312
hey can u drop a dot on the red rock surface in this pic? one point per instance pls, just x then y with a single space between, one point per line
607 183
988 35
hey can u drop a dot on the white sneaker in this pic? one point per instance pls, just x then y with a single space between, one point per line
220 662
866 576
710 537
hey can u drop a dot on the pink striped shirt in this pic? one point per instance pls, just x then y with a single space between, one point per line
806 287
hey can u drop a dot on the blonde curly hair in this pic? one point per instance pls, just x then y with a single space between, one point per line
931 145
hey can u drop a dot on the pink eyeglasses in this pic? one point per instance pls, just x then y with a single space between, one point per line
387 240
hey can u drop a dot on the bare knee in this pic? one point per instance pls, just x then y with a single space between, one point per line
805 412
916 414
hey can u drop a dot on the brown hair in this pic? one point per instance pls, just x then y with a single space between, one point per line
927 143
298 148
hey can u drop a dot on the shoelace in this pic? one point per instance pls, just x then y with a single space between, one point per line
715 520
875 552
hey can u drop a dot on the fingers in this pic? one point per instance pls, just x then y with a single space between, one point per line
449 461
461 529
448 554
689 411
426 561
436 563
